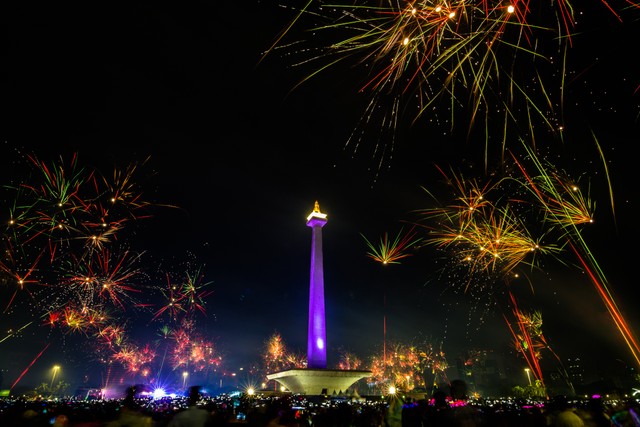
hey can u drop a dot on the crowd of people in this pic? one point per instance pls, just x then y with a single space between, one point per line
197 410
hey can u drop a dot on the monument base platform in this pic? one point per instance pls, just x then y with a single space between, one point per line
316 382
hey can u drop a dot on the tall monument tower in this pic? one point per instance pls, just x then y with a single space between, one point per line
316 379
317 333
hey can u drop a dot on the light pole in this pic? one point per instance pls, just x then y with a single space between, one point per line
56 368
185 374
527 370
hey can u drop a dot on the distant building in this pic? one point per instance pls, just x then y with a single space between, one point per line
612 376
575 370
484 372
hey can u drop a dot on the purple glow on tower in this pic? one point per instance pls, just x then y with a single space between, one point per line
317 334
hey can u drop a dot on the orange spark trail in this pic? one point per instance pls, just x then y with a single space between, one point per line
28 367
605 295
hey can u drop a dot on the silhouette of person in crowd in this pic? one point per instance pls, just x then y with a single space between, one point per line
564 414
130 415
439 413
193 416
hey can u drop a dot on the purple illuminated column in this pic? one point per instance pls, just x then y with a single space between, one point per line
317 334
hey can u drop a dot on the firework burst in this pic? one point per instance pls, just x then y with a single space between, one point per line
494 242
391 251
408 366
67 264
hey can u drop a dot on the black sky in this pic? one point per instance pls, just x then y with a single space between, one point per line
244 158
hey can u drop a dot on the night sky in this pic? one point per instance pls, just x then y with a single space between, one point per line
238 154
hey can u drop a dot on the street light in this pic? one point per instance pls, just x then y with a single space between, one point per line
185 374
527 370
56 368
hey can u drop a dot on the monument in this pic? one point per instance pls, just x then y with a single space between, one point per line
316 379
